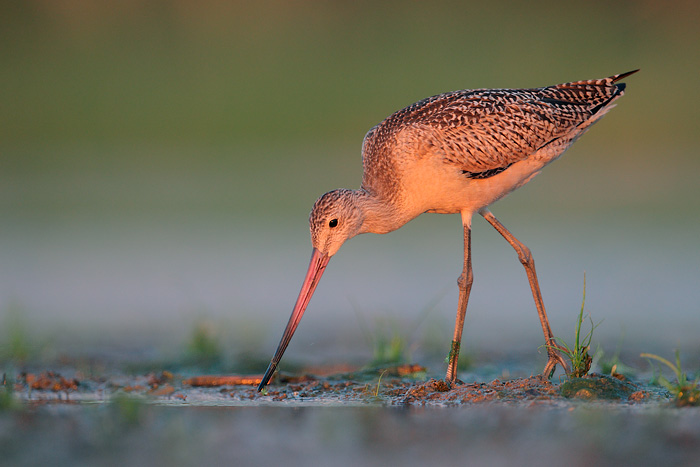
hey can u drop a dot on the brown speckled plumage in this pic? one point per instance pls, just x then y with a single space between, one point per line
456 152
484 131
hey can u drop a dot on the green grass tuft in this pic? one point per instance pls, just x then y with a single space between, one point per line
17 348
580 359
389 350
204 349
126 410
7 394
686 393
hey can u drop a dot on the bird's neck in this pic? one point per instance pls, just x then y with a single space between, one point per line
379 216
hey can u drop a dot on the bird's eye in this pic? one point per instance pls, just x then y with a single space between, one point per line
333 223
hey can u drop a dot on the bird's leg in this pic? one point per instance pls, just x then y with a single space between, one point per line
526 259
465 286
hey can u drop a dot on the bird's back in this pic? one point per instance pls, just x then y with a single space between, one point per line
482 132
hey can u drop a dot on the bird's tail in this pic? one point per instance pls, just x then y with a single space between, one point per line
592 89
616 78
596 96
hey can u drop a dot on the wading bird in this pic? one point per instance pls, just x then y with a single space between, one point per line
456 152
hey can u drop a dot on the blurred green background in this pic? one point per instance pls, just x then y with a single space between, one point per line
158 160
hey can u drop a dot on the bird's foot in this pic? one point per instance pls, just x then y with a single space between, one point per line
451 384
554 351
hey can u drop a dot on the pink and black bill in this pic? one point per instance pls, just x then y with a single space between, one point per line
317 265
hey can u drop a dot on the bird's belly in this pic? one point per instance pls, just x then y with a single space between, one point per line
447 190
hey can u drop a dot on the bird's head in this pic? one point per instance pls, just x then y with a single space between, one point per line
334 219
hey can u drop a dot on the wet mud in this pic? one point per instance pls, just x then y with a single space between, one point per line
405 385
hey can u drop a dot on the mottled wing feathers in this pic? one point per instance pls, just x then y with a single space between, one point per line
483 131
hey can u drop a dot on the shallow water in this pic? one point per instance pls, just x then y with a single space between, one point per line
477 435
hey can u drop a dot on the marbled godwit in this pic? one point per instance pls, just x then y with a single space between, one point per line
454 153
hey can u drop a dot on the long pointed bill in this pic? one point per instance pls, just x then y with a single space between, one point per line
313 275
